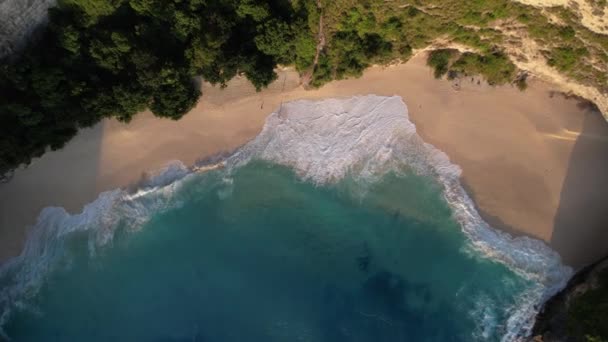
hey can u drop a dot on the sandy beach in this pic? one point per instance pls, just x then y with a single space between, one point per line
534 162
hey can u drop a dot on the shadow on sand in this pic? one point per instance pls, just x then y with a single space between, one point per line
581 222
64 178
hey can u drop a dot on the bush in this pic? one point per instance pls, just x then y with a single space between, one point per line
565 58
439 60
496 67
588 313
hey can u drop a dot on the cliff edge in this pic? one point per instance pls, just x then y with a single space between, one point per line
19 19
580 311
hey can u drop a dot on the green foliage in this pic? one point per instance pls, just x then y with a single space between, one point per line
257 10
260 71
323 72
305 49
69 39
276 39
567 33
173 100
588 313
478 24
115 58
439 60
496 68
89 12
347 54
565 58
358 41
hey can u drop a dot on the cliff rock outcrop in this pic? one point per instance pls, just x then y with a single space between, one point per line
19 19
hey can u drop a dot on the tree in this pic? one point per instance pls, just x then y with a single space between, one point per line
69 38
259 70
305 49
115 58
174 99
257 10
276 39
89 12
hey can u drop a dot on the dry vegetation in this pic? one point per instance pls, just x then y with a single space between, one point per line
504 35
103 58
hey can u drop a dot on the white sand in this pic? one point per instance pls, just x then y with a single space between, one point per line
534 164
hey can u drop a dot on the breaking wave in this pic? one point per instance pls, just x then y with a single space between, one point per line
369 136
323 141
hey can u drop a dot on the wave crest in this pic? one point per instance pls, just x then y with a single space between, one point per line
364 137
21 277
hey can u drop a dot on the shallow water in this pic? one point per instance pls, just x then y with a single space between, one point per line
263 256
337 223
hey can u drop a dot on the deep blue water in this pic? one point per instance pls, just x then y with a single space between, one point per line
260 255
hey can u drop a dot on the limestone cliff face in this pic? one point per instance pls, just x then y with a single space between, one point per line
18 20
594 15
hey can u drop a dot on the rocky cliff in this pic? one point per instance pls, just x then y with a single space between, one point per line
580 311
19 19
592 14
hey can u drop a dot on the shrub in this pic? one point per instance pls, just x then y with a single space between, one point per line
439 60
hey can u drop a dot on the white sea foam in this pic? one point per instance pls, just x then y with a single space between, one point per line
22 276
324 141
368 136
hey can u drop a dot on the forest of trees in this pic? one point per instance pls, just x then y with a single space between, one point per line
115 58
102 58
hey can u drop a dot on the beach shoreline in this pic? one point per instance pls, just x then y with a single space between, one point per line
516 150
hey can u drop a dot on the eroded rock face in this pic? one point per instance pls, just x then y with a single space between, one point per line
18 20
593 16
552 322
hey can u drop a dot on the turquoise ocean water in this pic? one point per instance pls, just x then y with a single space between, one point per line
282 245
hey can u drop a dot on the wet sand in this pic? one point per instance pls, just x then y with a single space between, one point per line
534 162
